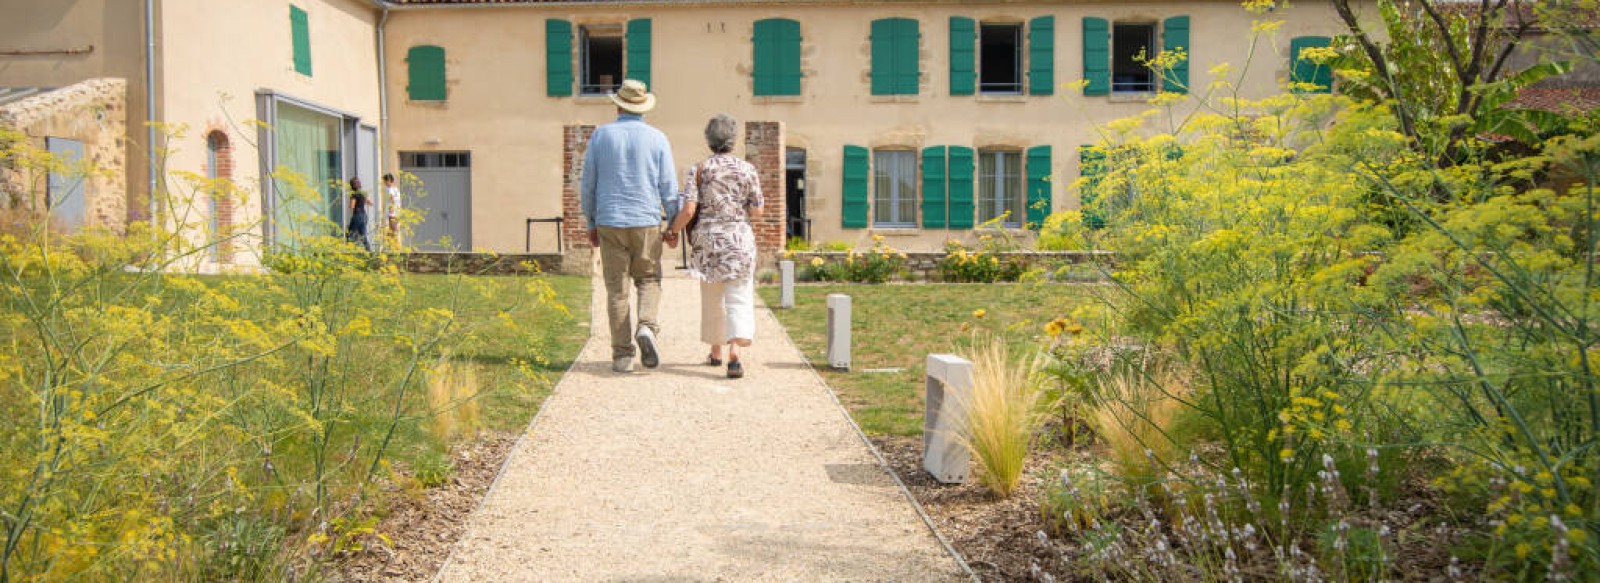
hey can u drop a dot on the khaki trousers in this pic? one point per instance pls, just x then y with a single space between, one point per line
630 253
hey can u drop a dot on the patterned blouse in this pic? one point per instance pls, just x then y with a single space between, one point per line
724 246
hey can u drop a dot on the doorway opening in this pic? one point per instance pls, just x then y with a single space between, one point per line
794 178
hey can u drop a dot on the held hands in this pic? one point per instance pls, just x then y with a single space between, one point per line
671 239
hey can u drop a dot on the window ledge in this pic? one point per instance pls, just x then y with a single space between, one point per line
770 99
894 99
895 231
1131 97
1002 98
593 100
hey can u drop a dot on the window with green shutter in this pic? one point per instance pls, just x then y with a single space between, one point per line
1096 56
425 73
963 55
558 58
959 187
1175 36
933 188
300 32
777 57
638 41
895 62
1306 71
1091 166
1038 185
853 203
1042 55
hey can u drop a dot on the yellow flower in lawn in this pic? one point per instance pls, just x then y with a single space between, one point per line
1074 329
1055 327
816 262
980 313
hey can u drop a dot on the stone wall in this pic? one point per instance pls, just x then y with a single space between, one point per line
924 265
93 112
492 264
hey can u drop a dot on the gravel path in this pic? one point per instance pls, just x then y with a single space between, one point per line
680 474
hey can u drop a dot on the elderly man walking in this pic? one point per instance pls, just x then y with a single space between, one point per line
629 187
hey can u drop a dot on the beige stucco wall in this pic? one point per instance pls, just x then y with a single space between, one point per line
217 55
92 112
57 32
498 108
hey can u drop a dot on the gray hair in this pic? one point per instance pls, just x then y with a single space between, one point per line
721 132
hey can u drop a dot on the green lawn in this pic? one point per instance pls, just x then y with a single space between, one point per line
897 326
558 338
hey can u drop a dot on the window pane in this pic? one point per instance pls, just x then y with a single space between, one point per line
894 187
882 195
987 186
1011 191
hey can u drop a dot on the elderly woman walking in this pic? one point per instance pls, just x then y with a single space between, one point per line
727 194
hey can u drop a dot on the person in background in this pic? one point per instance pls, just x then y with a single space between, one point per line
393 212
356 231
629 184
726 191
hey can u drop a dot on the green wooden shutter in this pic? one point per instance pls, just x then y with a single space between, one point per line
907 58
558 58
300 30
1042 55
638 48
425 73
895 67
777 57
883 37
1038 197
1097 56
1303 71
788 79
960 187
963 55
853 207
933 187
1174 36
1091 164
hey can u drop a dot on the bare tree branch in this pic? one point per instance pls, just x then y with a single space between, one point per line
1407 123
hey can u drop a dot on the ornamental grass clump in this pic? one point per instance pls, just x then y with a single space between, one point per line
1002 414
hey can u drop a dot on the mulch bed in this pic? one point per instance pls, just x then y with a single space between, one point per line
423 526
1000 538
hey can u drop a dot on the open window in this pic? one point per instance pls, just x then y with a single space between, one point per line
1000 55
1131 44
600 56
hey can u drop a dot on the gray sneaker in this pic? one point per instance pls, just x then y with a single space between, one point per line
647 348
622 364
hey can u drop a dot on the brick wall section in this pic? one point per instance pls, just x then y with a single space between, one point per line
224 197
763 147
573 226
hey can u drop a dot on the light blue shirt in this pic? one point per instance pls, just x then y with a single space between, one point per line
628 176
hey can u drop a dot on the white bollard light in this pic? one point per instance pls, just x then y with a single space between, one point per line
948 390
839 331
786 279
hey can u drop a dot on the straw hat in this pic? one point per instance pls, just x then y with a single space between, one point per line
633 97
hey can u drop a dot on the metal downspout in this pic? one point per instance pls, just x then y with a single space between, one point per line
383 91
150 102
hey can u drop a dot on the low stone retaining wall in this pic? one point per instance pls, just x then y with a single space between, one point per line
575 262
924 265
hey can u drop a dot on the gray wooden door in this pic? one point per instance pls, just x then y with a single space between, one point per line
64 190
445 204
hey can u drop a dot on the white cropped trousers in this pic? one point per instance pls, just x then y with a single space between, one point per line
728 312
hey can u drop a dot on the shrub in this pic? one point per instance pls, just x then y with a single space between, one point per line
1002 415
985 264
